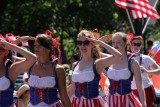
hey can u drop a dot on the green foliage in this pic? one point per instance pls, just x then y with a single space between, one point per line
65 18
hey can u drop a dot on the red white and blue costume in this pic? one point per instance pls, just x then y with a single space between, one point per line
145 61
120 92
6 88
43 91
86 88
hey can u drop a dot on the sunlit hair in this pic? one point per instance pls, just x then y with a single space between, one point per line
95 50
137 37
125 39
45 41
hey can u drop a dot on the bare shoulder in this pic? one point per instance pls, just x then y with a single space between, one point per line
134 63
59 69
135 66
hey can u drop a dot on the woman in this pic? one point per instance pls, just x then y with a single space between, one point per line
147 62
9 71
86 71
46 77
23 96
120 75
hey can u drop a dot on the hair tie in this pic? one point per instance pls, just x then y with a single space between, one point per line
1 36
11 38
55 44
48 32
96 33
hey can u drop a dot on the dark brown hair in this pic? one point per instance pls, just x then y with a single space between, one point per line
45 41
137 37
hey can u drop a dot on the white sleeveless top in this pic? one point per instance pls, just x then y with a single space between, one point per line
82 76
4 83
41 82
118 74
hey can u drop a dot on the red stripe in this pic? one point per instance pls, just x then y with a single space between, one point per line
144 9
124 101
113 100
132 100
87 103
73 102
121 102
83 105
79 102
116 101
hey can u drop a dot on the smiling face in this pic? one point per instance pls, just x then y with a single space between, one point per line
83 44
119 41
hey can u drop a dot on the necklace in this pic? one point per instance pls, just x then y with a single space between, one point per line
42 65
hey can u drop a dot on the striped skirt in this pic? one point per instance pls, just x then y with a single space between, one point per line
84 102
57 104
129 100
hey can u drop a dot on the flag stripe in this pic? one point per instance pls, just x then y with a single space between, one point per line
138 8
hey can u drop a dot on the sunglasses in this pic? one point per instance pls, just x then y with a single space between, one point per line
85 43
137 44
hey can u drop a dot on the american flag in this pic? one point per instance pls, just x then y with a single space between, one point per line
138 8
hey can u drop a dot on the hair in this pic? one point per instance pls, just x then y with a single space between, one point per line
46 41
125 39
137 37
95 50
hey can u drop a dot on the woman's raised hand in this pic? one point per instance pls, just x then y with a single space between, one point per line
106 38
24 39
5 45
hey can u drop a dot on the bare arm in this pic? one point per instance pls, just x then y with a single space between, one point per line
107 61
20 66
62 86
138 79
155 70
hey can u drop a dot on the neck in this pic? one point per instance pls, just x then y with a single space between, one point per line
43 60
86 59
137 54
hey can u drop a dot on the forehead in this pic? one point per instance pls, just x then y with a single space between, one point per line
117 38
136 40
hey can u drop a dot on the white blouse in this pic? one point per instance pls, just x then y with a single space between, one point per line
82 76
118 74
4 83
42 82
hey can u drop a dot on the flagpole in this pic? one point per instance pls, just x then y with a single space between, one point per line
148 19
130 21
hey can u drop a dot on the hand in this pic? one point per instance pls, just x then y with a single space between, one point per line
93 41
4 44
143 69
106 38
24 39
